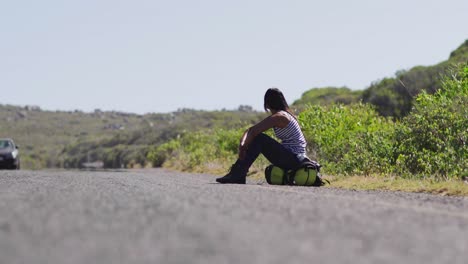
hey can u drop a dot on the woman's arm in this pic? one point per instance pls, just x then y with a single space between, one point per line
275 120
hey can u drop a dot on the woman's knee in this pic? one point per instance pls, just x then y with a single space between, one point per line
261 136
262 139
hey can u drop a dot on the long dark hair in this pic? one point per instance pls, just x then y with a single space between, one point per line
274 100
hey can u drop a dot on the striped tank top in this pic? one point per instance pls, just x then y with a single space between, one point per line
292 137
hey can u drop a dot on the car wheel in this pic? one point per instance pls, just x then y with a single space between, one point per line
15 167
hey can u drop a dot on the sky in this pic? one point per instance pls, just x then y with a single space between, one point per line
152 56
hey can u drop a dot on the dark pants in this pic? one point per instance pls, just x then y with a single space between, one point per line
276 153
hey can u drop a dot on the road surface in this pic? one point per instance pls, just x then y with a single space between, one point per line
158 216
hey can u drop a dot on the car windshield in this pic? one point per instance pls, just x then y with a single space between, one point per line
5 144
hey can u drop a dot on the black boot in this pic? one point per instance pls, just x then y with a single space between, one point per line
235 175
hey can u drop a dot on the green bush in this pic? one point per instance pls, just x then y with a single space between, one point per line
350 139
432 140
227 141
158 155
198 150
185 152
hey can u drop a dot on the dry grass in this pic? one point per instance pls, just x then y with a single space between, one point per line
390 183
450 187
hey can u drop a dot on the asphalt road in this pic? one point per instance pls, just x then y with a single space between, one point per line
157 216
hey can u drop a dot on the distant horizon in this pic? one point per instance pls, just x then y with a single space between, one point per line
159 56
221 109
290 102
125 112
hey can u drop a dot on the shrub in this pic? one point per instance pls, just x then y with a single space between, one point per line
158 155
432 140
186 152
227 141
350 139
209 151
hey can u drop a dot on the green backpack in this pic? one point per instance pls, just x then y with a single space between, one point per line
306 174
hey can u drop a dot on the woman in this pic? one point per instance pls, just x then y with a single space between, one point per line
287 155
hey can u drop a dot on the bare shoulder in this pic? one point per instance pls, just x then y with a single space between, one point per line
281 118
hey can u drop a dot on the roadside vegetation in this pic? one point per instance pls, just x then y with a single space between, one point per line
428 145
409 128
73 139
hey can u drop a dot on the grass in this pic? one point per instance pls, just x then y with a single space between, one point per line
446 188
387 183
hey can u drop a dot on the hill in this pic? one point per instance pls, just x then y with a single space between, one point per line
394 96
60 139
390 96
328 95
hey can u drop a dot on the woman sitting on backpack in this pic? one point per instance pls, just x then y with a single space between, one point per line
287 155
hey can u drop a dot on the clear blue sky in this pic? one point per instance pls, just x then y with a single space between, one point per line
157 56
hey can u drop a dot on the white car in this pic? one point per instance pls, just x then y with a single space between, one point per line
9 156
